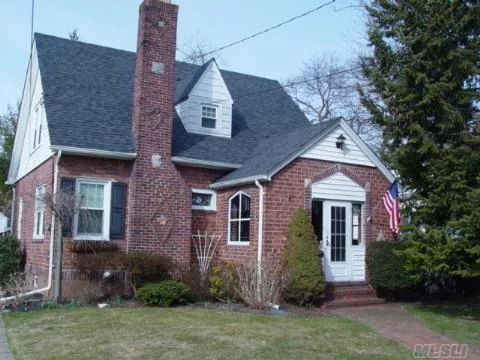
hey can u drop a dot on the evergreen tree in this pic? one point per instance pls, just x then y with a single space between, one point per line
8 126
423 87
302 260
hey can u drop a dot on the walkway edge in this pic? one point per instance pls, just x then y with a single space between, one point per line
5 353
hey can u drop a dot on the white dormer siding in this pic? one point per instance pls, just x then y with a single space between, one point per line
211 100
32 145
327 150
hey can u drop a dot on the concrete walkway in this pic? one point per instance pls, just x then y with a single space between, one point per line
396 323
5 353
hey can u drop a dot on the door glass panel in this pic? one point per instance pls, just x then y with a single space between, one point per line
338 234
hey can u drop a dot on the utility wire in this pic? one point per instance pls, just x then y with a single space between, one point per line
265 31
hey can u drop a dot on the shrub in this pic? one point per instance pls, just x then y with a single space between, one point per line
165 293
302 259
386 268
260 291
223 282
141 267
11 257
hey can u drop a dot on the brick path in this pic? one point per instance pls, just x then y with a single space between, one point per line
5 353
396 323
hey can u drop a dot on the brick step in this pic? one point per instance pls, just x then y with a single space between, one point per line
361 291
353 301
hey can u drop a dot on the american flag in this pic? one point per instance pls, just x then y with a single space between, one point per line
392 206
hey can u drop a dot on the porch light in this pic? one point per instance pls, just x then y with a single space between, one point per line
340 141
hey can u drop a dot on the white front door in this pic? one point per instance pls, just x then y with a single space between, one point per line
337 234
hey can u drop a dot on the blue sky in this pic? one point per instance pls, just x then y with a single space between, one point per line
279 54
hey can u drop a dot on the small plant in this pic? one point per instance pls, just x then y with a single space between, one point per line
306 280
386 268
17 285
48 305
260 286
165 293
115 300
90 247
73 303
223 282
11 256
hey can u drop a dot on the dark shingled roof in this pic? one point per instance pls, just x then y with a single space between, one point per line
88 100
275 150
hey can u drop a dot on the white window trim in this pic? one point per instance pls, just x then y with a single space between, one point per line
213 206
106 206
218 120
37 205
38 119
237 243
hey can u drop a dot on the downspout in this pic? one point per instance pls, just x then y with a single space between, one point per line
260 230
52 238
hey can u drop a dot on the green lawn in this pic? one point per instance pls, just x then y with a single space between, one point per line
188 333
459 322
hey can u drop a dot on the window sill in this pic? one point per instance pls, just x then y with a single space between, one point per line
197 210
38 239
90 238
238 243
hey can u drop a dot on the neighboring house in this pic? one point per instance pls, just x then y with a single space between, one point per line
3 223
160 149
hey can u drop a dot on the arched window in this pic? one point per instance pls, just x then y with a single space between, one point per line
239 219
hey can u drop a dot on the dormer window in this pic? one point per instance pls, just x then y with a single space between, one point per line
209 116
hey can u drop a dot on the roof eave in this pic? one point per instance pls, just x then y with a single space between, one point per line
69 150
237 182
208 164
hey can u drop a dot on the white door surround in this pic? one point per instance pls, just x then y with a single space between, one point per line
340 231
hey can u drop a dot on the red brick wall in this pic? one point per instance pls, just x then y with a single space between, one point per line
159 199
283 195
37 250
94 168
287 192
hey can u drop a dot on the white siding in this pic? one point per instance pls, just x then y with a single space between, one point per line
338 187
326 149
358 262
209 90
27 157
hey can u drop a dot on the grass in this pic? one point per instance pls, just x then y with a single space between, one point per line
459 322
189 333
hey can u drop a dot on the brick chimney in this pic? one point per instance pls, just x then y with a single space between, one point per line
159 208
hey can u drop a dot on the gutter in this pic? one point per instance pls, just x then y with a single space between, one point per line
52 238
70 150
242 181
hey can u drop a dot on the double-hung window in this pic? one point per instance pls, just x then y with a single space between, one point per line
209 116
39 219
239 219
92 219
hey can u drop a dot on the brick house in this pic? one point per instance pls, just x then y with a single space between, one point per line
159 149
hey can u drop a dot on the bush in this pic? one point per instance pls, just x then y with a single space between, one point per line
11 257
223 282
302 259
140 267
386 268
165 293
260 292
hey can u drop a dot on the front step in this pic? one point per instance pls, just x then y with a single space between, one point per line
350 294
